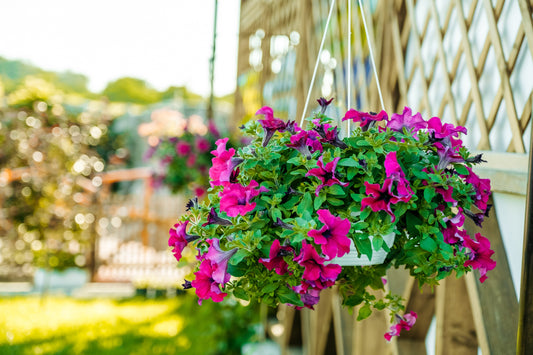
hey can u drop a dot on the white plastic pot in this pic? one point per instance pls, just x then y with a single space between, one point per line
353 258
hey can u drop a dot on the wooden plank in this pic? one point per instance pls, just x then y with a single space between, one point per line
368 334
497 298
455 330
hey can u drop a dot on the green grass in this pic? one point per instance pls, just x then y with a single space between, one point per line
60 325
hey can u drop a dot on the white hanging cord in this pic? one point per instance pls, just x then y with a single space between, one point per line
371 55
316 64
349 64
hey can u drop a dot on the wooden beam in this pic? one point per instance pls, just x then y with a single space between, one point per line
455 331
497 299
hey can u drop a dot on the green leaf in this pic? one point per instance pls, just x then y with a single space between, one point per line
461 169
238 256
291 203
288 296
336 190
364 246
353 300
275 213
306 204
377 242
237 270
428 194
319 200
348 162
295 161
359 225
428 244
240 293
335 201
364 312
270 287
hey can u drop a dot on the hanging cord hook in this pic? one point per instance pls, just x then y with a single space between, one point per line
349 64
316 64
370 42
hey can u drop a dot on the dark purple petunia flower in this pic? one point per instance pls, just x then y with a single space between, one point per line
213 218
324 104
270 124
187 285
330 135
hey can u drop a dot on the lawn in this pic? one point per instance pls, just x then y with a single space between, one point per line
61 325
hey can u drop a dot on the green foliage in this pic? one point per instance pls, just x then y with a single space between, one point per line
48 218
131 90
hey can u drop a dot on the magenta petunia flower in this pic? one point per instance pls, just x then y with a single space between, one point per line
179 238
315 270
380 198
206 287
407 120
275 260
365 118
333 236
220 258
394 171
223 163
443 130
447 155
270 124
406 322
235 199
183 148
480 255
191 160
481 188
326 174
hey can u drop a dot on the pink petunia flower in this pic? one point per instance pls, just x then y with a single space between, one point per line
235 199
220 258
206 287
299 142
365 118
481 188
179 238
406 322
275 260
223 163
394 171
480 255
326 174
333 236
315 270
406 120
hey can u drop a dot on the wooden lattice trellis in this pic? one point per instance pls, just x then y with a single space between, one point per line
432 56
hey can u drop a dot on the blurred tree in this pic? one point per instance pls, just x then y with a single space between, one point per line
132 90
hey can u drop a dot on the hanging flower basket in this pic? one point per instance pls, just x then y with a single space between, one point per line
286 212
